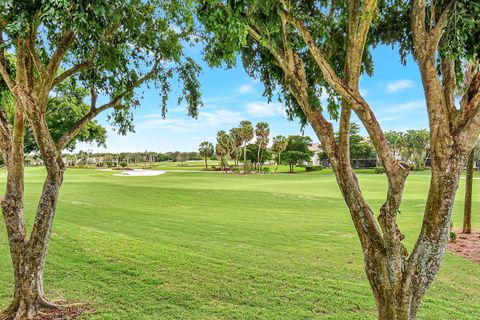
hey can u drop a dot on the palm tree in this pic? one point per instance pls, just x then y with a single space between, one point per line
246 132
206 150
224 147
236 137
279 145
262 131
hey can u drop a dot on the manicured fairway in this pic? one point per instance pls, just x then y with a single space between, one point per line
215 246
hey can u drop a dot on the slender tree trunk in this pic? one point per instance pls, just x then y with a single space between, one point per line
467 210
206 164
245 158
258 158
278 162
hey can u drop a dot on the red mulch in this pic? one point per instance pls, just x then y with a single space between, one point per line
66 313
466 246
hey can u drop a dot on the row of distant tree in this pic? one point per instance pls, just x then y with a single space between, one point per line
251 144
237 144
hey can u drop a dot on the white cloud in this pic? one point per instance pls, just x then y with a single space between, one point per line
205 120
397 111
399 85
412 105
246 88
385 119
264 109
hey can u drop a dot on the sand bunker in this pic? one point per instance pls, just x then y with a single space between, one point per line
139 173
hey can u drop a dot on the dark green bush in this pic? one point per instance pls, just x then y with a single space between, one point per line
453 236
379 170
313 168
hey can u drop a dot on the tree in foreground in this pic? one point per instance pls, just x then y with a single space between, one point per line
279 145
206 151
66 107
105 48
262 131
312 47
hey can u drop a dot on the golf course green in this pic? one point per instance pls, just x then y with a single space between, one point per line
193 245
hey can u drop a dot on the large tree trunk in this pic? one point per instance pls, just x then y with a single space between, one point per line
400 299
29 298
467 209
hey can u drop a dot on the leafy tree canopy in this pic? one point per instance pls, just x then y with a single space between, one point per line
234 23
110 48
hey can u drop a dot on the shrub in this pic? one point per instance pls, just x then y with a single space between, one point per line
417 168
313 168
453 236
123 164
213 168
379 170
235 169
266 169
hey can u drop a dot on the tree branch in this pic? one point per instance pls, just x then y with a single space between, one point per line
64 140
419 32
449 85
277 54
59 53
74 69
436 33
32 36
469 106
353 96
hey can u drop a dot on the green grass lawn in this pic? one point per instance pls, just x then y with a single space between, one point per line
217 246
199 165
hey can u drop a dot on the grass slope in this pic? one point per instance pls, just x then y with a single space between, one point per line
216 246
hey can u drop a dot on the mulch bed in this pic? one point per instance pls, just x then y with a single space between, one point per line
66 313
466 246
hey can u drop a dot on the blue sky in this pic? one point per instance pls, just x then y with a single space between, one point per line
394 92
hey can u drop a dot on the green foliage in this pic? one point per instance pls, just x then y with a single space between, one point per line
313 168
453 236
246 131
360 148
229 22
252 154
379 170
296 151
65 108
125 42
123 164
206 149
410 147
